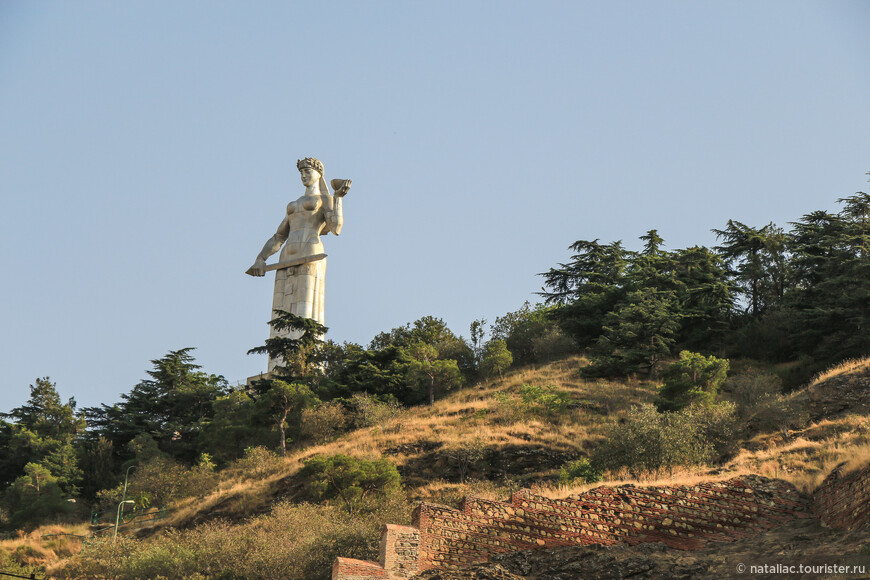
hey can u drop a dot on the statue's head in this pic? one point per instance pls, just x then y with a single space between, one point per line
311 170
310 163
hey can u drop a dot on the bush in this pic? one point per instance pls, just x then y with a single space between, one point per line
650 442
531 401
466 454
351 480
717 424
579 469
371 411
257 463
750 388
780 413
694 378
324 422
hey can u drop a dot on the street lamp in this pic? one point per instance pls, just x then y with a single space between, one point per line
118 518
126 475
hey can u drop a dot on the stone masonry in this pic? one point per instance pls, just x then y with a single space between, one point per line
682 517
843 500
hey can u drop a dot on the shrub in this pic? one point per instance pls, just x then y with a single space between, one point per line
257 463
532 400
694 378
466 455
349 479
780 413
371 411
717 424
579 469
650 442
324 422
749 388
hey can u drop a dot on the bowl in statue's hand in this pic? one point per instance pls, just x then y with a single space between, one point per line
340 186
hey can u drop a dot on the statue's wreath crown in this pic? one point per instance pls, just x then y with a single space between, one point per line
310 162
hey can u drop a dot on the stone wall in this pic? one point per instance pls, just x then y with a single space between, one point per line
843 500
681 516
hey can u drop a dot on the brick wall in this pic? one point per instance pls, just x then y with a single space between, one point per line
681 516
399 550
843 501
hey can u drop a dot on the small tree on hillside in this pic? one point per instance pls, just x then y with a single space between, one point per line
430 372
694 378
496 358
350 479
281 400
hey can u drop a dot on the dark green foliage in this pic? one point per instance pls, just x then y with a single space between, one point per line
579 470
297 356
283 403
652 442
42 431
349 479
636 335
171 407
35 498
412 363
694 378
757 262
431 373
532 334
633 308
830 301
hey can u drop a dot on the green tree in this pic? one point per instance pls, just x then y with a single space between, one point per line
637 334
757 260
35 497
299 351
496 358
172 407
694 378
349 479
431 373
285 402
44 431
532 334
238 424
586 289
828 305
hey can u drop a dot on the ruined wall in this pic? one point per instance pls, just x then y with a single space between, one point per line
681 516
843 501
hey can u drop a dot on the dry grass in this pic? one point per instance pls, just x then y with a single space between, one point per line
845 367
44 546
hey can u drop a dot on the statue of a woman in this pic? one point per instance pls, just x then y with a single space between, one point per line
301 268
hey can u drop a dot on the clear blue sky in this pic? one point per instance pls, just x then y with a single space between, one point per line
148 149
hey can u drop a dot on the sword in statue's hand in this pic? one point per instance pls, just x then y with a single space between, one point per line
260 269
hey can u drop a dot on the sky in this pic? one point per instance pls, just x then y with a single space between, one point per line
148 150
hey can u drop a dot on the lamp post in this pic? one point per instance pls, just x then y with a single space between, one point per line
118 518
126 475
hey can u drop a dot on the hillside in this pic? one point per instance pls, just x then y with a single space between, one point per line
513 446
